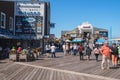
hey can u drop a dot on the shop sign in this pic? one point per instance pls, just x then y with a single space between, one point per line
29 19
28 9
86 26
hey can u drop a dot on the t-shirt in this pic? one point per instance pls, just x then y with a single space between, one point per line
114 51
88 51
75 47
53 48
47 47
119 50
64 47
105 51
80 48
96 51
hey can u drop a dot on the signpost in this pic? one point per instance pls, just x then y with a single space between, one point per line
110 33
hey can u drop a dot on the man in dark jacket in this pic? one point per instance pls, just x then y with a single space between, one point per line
114 54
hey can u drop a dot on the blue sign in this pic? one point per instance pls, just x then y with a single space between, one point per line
29 13
29 19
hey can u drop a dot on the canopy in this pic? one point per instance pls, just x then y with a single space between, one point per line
100 41
116 39
77 40
5 36
67 40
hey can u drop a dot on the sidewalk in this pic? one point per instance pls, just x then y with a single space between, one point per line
60 68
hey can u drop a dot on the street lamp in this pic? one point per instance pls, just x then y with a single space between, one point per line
30 38
42 45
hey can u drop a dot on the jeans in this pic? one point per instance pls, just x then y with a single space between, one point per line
75 51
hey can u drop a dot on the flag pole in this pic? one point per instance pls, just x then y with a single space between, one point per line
110 37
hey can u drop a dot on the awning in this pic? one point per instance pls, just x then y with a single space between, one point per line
67 40
77 40
5 36
100 41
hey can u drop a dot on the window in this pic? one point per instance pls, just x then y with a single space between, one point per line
104 33
3 20
11 24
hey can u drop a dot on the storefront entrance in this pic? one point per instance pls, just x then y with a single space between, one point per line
87 35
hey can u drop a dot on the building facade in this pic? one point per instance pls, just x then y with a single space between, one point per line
86 29
26 20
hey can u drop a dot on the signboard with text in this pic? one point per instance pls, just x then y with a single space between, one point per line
28 24
29 17
29 9
104 33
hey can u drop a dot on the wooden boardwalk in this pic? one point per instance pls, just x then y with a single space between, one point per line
60 68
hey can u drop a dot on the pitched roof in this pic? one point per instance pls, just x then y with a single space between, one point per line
99 29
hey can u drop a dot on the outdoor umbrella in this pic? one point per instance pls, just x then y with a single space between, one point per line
100 41
67 40
77 40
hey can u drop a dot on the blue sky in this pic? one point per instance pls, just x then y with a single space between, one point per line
68 14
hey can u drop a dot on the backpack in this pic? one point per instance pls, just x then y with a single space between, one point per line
80 48
96 51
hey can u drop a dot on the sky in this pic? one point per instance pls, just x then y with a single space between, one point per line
68 14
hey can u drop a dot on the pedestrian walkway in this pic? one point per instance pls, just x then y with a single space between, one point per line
60 68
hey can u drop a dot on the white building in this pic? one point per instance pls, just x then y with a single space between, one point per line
86 29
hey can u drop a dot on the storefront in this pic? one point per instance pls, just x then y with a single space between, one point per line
25 21
87 30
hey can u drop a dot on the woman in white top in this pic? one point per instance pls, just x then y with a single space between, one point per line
53 49
47 48
64 49
96 52
75 49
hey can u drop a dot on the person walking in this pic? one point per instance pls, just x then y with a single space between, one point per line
67 48
96 52
71 49
47 48
119 53
80 50
105 51
85 46
114 54
19 51
53 50
64 49
75 49
88 52
1 52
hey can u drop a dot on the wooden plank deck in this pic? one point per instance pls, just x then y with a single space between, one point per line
60 68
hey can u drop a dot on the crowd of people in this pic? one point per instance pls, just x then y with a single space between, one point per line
109 53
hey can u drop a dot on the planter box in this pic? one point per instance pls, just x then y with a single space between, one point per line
12 57
23 56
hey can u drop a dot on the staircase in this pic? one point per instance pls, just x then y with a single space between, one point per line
91 41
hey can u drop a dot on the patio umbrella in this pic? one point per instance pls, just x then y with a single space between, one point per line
100 41
67 40
77 40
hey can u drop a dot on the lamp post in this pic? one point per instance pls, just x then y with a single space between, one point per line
30 38
42 45
110 37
